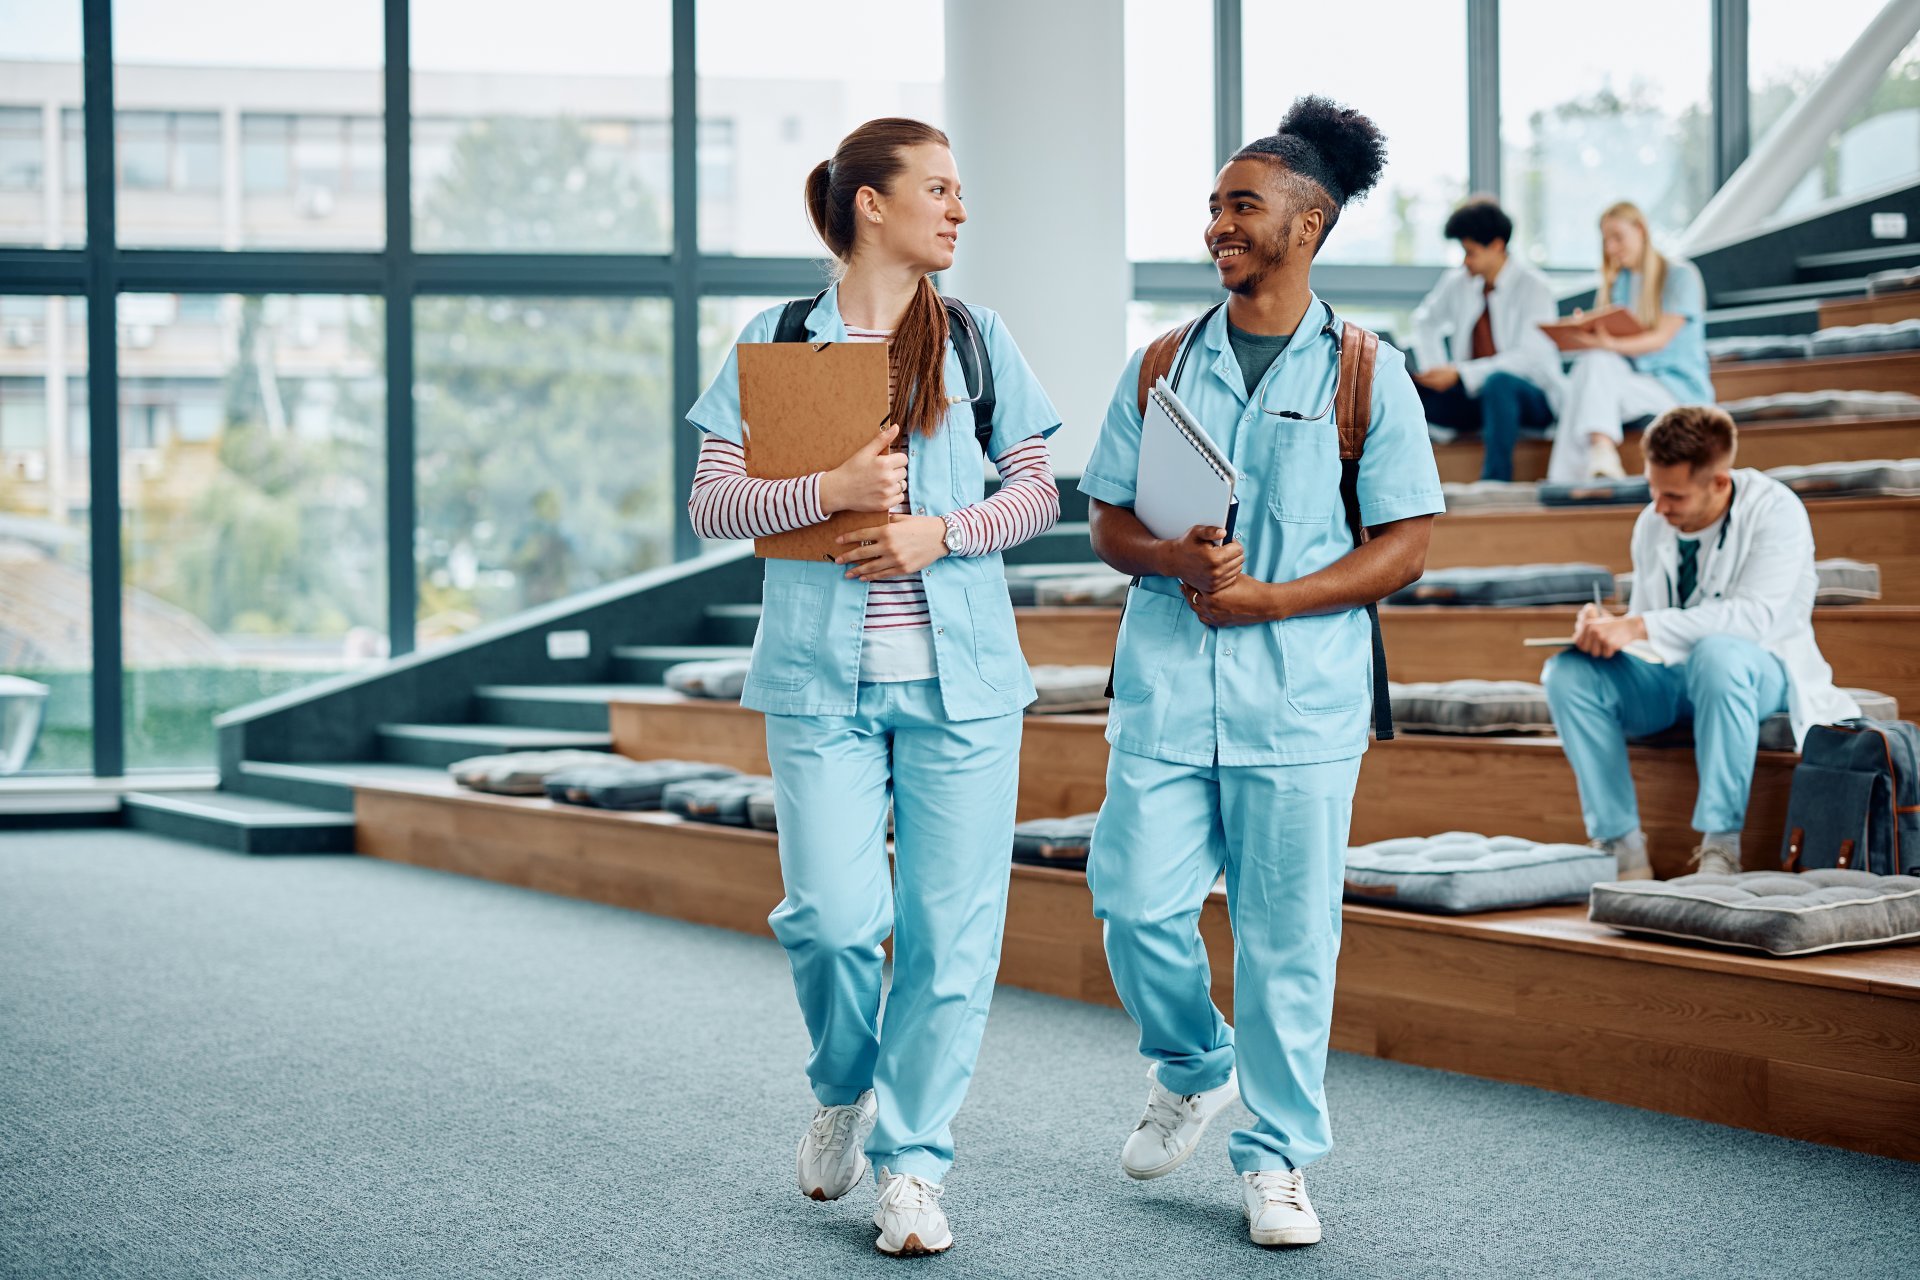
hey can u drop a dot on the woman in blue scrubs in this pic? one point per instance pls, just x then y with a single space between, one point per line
893 676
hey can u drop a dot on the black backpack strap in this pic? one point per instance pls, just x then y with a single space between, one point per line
793 318
974 365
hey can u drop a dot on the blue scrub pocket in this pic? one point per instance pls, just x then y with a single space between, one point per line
1303 480
792 615
1328 660
996 642
1145 646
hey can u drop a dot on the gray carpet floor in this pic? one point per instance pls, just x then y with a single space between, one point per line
219 1066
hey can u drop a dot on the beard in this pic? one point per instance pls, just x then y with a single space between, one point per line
1267 257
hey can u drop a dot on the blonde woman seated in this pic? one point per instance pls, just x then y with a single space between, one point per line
1615 381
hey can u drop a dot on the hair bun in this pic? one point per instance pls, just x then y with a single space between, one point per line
1353 147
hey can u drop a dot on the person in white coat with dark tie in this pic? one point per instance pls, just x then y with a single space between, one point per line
1718 631
1485 365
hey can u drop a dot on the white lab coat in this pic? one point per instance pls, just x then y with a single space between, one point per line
1521 302
1758 584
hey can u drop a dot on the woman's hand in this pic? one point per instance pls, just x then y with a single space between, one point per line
904 545
874 479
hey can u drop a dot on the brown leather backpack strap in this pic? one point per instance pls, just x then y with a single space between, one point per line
1354 413
1158 363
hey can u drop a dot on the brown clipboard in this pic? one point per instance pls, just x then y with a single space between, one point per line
806 407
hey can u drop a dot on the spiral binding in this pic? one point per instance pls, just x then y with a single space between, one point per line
1182 421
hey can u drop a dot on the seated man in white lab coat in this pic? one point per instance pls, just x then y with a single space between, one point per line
1484 364
1719 632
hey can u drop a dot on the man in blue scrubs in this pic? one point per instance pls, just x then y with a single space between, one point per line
1242 681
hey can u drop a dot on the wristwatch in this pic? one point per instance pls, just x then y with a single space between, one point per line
953 539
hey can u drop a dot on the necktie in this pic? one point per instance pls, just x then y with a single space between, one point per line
1689 569
1482 342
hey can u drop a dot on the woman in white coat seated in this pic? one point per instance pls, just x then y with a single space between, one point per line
1718 632
1615 381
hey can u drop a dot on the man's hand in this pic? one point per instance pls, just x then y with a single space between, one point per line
1241 603
1602 635
1438 379
903 546
1201 565
873 479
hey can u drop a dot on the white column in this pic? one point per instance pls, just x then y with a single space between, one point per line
1036 110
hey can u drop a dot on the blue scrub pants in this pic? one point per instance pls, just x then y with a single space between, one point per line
953 787
1727 686
1165 834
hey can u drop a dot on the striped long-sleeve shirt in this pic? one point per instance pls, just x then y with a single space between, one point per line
728 503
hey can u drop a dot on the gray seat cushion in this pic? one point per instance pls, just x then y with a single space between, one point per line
1836 582
1492 495
1866 339
1054 842
1461 872
1064 689
1023 580
620 783
721 800
1514 584
1787 405
1776 731
760 813
1100 589
1471 706
1894 280
723 678
1779 346
1769 911
1873 477
518 773
1595 493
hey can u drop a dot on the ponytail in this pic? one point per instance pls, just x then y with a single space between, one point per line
872 156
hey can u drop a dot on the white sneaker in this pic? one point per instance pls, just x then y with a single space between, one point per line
909 1217
1171 1129
832 1159
1629 856
1277 1208
1712 860
1603 460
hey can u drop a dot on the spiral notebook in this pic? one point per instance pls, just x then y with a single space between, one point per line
1185 478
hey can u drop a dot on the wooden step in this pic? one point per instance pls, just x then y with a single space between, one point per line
1762 445
1883 371
1869 646
1412 786
1823 1048
1882 531
1879 308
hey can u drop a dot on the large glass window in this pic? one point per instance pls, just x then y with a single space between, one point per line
546 435
42 201
46 592
548 135
283 85
1612 107
774 105
1170 153
1787 55
252 465
1413 86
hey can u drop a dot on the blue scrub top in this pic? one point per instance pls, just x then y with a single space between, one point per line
1681 365
1297 691
807 650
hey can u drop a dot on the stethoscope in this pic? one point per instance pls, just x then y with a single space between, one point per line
1331 329
1726 523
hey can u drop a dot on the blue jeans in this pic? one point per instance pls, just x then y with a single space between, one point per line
1726 687
1279 832
1505 404
952 785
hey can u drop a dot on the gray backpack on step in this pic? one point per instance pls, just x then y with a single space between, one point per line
1856 799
